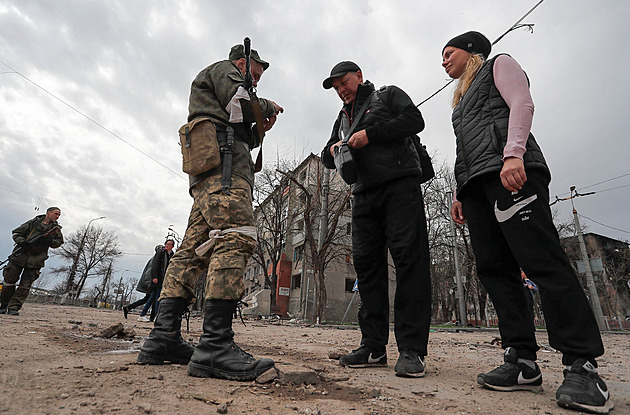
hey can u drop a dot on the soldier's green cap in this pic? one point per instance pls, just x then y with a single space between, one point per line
238 51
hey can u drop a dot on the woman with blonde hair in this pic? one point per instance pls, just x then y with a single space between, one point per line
502 193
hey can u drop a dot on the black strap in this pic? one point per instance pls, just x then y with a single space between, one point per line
357 117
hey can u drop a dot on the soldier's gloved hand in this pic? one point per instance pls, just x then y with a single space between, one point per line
24 244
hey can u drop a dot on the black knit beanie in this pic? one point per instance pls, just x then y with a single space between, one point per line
473 42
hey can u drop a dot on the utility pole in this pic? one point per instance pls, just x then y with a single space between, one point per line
323 218
75 262
590 281
120 292
461 295
105 281
323 231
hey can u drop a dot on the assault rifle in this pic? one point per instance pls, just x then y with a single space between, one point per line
25 244
253 110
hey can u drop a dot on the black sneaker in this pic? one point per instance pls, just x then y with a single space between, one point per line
409 364
13 312
3 309
512 375
583 389
364 357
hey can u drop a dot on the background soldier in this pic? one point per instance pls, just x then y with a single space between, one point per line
216 88
32 240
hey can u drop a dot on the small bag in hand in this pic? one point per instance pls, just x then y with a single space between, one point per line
344 162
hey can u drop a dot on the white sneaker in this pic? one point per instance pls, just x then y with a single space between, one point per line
143 318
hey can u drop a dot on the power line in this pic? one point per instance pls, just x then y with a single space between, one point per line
84 207
613 188
515 26
599 223
614 178
599 191
94 121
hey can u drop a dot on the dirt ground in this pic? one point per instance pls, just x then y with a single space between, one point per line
53 362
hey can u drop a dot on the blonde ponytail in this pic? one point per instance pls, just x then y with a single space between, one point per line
475 62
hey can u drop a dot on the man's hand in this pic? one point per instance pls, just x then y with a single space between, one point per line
513 175
333 147
269 122
358 139
457 213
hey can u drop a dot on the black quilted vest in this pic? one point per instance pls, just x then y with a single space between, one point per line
480 122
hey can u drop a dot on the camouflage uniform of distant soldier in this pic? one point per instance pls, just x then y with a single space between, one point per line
32 239
216 355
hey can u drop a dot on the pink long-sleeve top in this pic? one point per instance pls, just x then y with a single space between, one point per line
511 81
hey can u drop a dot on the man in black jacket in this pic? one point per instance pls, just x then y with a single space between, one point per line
159 264
387 214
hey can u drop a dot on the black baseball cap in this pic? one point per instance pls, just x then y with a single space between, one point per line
338 70
238 51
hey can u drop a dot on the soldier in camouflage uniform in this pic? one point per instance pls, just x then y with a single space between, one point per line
213 94
32 240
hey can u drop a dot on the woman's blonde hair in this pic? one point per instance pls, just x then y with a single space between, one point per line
474 63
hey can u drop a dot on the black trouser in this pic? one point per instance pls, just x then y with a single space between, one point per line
505 239
140 301
391 216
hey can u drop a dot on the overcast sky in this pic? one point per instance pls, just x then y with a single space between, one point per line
128 66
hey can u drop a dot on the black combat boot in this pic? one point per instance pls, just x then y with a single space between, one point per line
165 342
216 354
5 297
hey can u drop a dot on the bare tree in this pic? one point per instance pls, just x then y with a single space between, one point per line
272 221
128 288
438 200
92 248
44 280
325 239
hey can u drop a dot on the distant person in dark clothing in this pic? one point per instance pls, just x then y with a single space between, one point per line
158 269
143 285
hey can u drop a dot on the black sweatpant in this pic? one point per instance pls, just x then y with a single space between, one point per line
391 216
511 230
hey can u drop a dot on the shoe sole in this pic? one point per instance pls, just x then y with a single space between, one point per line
363 365
524 387
410 375
607 407
202 371
149 359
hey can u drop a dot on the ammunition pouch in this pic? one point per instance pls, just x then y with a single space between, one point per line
200 149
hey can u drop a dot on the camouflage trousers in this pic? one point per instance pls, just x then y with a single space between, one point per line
13 296
224 265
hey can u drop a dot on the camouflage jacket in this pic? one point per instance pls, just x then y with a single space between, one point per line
34 255
210 93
